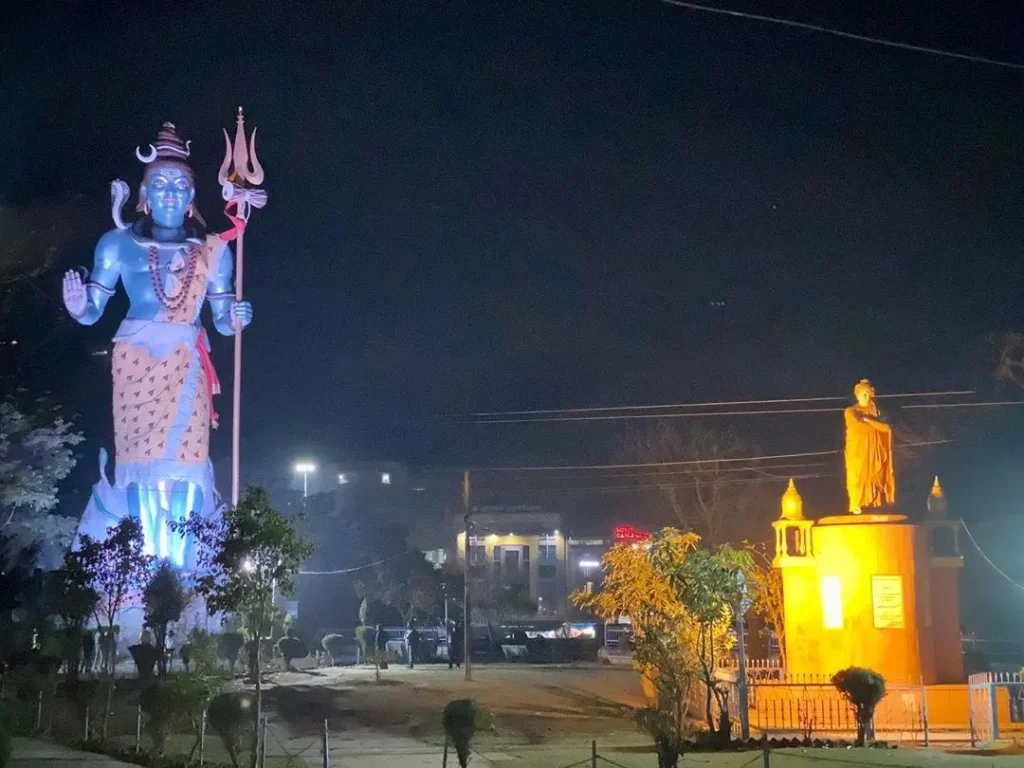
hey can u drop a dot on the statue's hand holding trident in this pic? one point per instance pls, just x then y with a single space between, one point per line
241 199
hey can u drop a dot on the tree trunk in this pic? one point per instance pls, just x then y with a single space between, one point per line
258 714
106 709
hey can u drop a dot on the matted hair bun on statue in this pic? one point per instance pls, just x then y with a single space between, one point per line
169 146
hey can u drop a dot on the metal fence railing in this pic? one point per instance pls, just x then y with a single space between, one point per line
996 704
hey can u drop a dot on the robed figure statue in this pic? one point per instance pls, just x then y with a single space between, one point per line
870 480
163 379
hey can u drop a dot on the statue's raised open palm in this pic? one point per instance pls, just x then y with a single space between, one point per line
74 293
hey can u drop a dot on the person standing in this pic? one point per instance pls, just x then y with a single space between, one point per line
412 639
456 636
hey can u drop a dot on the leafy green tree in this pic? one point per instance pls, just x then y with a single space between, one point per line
496 603
681 601
20 588
36 453
118 574
863 688
710 585
243 558
199 648
73 598
665 634
175 701
164 599
411 585
764 583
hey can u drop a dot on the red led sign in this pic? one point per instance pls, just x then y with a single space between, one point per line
629 533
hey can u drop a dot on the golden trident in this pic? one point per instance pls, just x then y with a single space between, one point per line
242 199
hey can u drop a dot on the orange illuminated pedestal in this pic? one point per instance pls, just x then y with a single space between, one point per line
859 590
870 600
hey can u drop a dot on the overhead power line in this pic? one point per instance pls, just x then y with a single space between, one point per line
652 486
374 564
991 403
686 462
707 404
987 559
635 416
716 470
848 35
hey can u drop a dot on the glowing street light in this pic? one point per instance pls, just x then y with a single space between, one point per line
305 467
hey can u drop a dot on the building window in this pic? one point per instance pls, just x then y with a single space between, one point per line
477 555
832 602
385 478
546 571
546 553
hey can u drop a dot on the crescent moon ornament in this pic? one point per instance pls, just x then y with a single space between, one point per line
149 158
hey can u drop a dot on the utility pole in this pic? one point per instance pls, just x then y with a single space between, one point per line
467 618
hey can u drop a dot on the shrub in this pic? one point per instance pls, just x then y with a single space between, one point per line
461 720
228 646
230 716
863 688
145 657
663 725
292 648
334 645
201 650
173 701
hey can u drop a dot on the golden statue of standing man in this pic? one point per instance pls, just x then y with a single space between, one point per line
870 481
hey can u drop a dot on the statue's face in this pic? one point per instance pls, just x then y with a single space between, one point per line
169 192
863 397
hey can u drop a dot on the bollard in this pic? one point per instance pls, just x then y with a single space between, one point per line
138 731
39 711
86 722
593 754
202 738
327 753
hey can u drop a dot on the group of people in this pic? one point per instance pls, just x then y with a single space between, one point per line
455 636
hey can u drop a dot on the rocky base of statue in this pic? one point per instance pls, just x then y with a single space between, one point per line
111 503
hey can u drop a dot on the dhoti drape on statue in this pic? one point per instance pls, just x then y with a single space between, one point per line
163 387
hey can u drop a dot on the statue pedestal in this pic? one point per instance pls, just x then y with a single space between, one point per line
861 598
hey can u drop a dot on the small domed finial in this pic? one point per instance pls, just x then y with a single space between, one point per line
937 506
792 503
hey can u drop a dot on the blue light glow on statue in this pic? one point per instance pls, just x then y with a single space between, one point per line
164 381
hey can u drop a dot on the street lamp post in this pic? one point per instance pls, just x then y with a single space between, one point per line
305 467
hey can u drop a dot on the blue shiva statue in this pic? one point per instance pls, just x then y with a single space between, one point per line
164 381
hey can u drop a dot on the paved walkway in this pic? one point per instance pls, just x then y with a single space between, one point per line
32 753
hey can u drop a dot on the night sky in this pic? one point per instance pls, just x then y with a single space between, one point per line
480 206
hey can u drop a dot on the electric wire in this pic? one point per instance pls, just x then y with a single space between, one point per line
848 35
359 567
653 486
687 462
987 559
992 403
709 404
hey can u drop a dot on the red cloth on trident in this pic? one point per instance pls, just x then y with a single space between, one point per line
212 382
237 222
